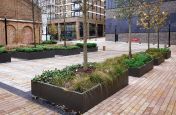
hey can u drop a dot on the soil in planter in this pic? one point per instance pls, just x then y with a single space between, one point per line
89 70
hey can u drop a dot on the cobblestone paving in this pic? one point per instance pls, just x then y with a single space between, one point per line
153 93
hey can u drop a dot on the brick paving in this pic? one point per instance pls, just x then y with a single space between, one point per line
154 93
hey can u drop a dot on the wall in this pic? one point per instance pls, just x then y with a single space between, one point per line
19 22
164 36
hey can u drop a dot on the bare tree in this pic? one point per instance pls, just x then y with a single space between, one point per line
85 6
127 9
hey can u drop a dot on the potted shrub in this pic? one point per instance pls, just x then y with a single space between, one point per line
49 42
166 52
80 89
91 47
4 55
31 53
62 50
157 56
139 64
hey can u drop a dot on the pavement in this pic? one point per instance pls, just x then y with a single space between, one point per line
15 84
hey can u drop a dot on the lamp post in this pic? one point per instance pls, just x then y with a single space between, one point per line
116 35
33 18
5 22
169 44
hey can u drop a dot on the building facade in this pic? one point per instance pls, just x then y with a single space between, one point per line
19 22
69 11
120 26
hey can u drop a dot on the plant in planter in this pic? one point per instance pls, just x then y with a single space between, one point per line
49 42
157 55
81 89
62 50
166 52
32 53
139 64
91 47
4 55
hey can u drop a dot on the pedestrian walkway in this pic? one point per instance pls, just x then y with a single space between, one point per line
152 94
142 94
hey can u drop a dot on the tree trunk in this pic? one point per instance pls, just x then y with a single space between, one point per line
158 37
129 39
65 43
148 38
85 57
148 35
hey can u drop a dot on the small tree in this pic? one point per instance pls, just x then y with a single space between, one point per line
85 6
63 3
159 21
53 29
127 9
146 13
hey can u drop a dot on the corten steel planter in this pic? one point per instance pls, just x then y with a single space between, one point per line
67 52
33 55
167 55
80 102
138 72
5 57
90 49
158 61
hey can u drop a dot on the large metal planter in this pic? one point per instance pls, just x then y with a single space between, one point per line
90 49
5 57
138 72
33 55
158 61
80 102
167 55
67 52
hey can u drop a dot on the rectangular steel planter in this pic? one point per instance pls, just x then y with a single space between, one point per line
5 57
138 72
67 52
158 61
80 102
167 55
33 55
90 49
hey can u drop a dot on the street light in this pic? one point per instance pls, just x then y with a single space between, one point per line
169 44
5 22
116 35
33 20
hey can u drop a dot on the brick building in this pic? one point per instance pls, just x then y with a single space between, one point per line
19 22
120 27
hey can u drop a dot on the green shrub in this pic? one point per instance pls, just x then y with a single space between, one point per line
89 45
138 60
164 50
46 47
2 50
1 46
29 49
154 52
49 42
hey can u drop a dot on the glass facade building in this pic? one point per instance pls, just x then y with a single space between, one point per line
122 25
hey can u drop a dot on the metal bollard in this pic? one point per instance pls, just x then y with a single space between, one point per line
104 48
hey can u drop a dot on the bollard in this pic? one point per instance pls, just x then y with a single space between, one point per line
104 48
